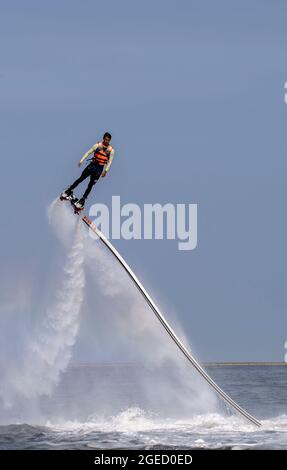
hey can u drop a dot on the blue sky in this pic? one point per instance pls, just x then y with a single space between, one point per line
193 93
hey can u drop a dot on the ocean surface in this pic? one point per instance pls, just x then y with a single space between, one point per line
107 407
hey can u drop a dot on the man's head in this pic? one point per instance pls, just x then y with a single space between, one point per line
106 139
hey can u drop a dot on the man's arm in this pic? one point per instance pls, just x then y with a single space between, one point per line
84 157
106 169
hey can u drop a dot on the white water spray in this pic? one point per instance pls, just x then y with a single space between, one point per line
48 351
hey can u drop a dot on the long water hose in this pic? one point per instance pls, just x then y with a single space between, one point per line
167 327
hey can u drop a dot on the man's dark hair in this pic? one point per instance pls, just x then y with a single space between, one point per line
107 134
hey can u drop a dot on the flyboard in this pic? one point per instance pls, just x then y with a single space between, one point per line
165 324
73 200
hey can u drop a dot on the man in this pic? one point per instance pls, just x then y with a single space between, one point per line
99 166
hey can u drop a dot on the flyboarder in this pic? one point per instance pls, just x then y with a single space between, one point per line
103 154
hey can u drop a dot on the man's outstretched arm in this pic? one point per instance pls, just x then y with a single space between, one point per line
84 157
106 169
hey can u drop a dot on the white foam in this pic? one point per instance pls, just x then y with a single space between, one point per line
203 431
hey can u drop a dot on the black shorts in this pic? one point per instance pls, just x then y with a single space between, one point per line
94 170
